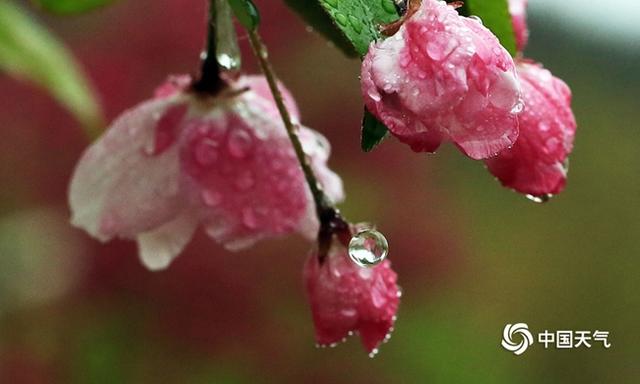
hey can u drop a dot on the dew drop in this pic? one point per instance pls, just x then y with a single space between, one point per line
249 218
518 107
228 62
341 19
388 6
373 353
539 198
476 18
355 23
211 198
205 152
245 181
239 143
368 248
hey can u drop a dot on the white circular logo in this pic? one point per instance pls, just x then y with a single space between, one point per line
511 330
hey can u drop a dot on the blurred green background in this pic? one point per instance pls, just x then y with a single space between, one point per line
471 256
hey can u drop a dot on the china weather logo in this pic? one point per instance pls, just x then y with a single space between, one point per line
519 332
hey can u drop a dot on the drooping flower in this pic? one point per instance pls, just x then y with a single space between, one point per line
518 11
443 77
346 298
182 159
537 164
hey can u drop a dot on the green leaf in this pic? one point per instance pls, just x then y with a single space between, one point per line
358 20
66 7
495 16
246 13
373 132
30 52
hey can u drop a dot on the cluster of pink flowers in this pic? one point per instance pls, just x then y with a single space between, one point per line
224 162
446 77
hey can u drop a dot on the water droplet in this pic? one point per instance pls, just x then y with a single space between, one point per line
518 107
211 198
341 19
368 248
476 18
228 62
240 143
374 95
245 181
540 198
373 353
544 126
249 218
205 152
388 6
355 23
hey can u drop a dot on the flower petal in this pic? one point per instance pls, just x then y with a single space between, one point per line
535 165
157 248
443 76
127 181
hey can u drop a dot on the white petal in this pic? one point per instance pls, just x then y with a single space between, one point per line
157 248
117 188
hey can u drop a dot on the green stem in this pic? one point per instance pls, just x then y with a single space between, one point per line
210 81
330 219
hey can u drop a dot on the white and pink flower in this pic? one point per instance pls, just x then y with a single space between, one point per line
441 77
183 160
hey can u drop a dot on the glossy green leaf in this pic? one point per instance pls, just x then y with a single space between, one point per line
66 7
30 52
495 16
373 132
358 20
246 13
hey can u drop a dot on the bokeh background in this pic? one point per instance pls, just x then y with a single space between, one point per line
471 256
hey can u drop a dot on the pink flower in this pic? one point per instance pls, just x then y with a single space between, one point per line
536 164
518 11
181 160
346 298
443 77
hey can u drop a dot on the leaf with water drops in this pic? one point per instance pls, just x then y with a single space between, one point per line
66 7
368 248
358 20
30 52
495 16
373 132
246 13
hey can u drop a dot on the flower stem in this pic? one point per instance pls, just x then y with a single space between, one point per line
330 219
210 81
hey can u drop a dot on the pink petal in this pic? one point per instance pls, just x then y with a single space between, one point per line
443 76
346 298
260 87
127 181
242 169
535 165
518 11
158 247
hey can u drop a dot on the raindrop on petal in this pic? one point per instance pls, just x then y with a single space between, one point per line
368 248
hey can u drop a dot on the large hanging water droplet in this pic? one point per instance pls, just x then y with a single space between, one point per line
368 248
539 198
